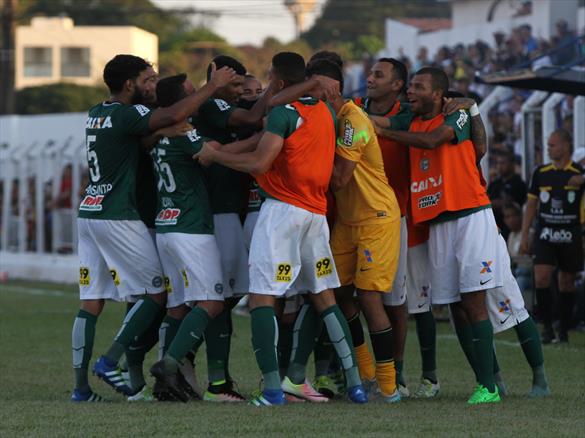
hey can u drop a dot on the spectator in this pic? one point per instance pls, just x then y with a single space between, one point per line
564 35
529 43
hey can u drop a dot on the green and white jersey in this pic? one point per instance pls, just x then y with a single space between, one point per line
183 201
112 133
146 193
227 187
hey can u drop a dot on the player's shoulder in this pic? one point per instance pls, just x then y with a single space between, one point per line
575 168
459 119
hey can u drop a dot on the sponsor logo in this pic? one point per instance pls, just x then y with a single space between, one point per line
157 281
364 269
254 199
420 306
218 288
193 136
571 196
115 277
98 122
283 272
429 183
557 207
368 255
323 267
486 267
462 120
168 216
481 283
98 189
503 321
504 307
193 335
232 282
544 196
84 276
185 278
222 104
424 164
142 110
429 200
168 285
92 203
556 236
348 132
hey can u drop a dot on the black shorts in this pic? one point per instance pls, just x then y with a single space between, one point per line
559 247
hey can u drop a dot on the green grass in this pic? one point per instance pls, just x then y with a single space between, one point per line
36 381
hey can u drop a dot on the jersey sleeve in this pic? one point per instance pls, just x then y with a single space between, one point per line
192 142
352 136
216 112
402 120
533 191
460 121
135 119
279 120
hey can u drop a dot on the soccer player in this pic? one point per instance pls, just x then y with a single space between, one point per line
558 239
117 255
292 163
446 191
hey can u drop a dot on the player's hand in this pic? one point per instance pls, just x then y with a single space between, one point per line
176 130
222 77
213 144
450 105
205 155
576 180
325 88
380 122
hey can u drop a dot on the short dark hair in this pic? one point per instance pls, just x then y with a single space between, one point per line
226 61
399 69
290 67
170 90
565 136
453 93
121 68
328 55
439 79
326 68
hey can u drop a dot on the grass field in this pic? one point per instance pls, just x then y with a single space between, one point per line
36 381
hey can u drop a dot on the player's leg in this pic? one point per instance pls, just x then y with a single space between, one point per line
287 330
544 299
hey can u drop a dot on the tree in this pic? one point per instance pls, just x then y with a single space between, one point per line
58 98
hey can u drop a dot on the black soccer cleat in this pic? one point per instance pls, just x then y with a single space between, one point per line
167 386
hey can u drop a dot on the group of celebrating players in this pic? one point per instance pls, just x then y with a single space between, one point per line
317 208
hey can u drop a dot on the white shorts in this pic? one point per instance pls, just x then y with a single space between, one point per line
505 304
397 295
418 279
191 263
463 256
249 224
234 256
290 251
117 259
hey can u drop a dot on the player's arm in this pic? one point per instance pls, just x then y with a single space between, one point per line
423 140
241 117
181 128
182 109
257 161
316 86
478 137
529 214
238 147
342 172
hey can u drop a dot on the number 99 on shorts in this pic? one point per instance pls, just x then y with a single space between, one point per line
284 272
323 267
84 276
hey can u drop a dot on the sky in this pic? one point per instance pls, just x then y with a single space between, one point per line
245 21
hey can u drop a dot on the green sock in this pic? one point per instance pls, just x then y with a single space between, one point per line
322 353
529 339
190 332
217 341
285 343
426 330
304 333
496 364
264 343
166 333
465 336
338 332
136 322
483 351
82 338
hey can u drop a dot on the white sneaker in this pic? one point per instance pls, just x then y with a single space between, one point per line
187 370
427 389
145 394
403 390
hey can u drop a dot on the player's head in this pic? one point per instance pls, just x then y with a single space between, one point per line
128 75
150 86
324 67
172 89
232 91
387 76
560 145
329 56
252 89
287 68
505 164
513 216
426 90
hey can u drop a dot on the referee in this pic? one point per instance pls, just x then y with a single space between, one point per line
554 196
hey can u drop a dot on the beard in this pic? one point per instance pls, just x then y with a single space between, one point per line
138 96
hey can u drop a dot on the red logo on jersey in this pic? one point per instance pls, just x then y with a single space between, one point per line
92 203
168 216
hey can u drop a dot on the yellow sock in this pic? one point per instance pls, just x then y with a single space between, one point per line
386 377
365 362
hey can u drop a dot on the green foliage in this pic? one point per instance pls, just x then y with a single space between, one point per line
58 98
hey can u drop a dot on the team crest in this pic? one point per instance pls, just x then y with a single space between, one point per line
544 196
571 196
424 164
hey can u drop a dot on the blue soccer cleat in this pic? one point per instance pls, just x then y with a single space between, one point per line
89 396
357 394
269 397
112 375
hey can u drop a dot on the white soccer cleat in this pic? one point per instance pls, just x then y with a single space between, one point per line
427 389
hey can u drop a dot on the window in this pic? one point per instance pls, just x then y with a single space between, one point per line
75 62
38 62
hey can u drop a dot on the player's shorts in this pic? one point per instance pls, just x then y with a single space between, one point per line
559 247
117 259
290 252
192 267
463 256
366 255
397 297
249 224
234 255
505 304
418 279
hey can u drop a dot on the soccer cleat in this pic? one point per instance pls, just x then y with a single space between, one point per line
339 380
144 394
482 395
90 396
357 394
192 387
392 398
403 390
427 389
326 386
268 397
563 338
222 393
303 390
168 386
547 335
126 377
539 391
111 375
